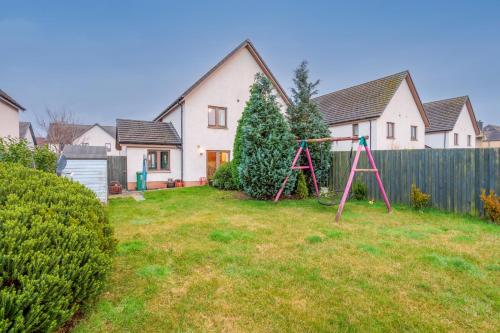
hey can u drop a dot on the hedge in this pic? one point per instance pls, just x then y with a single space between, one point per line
56 247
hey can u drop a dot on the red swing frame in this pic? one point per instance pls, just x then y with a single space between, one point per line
362 144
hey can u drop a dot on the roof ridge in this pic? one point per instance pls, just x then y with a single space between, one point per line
465 97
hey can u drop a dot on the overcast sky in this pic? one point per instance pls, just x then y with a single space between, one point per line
104 60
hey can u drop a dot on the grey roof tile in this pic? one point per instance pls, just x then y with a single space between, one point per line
491 133
443 114
146 132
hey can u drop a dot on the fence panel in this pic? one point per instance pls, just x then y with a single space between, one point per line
117 170
453 177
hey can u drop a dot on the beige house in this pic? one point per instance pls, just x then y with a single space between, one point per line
453 123
489 138
388 110
9 116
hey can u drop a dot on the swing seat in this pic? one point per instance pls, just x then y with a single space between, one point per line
330 197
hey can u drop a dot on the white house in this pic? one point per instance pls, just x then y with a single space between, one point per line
84 135
388 110
9 116
207 113
158 143
26 132
452 123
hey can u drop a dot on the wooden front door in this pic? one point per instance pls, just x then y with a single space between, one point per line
214 159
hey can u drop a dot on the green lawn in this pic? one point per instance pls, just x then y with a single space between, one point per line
202 260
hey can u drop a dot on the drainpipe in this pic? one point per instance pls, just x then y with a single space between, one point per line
444 140
182 142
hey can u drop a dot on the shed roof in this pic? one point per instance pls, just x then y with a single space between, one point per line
80 152
146 132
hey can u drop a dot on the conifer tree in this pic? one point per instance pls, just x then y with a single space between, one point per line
306 122
238 148
268 146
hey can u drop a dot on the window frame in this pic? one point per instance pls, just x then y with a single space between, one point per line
455 139
217 110
414 138
355 126
389 124
217 159
108 146
158 153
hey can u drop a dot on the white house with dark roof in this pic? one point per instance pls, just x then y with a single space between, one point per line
26 132
490 137
158 143
388 110
84 135
9 116
206 114
453 123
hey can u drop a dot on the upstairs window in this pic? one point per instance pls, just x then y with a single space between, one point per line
455 138
390 130
355 130
414 133
469 140
217 117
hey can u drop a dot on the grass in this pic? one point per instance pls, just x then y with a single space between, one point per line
202 260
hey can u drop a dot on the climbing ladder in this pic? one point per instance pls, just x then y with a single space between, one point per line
354 169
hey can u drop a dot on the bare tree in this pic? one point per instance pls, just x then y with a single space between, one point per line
61 128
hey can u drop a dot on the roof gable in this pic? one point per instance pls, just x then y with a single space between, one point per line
365 101
24 127
443 114
253 51
75 131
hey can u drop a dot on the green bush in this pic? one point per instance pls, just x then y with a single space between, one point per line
223 177
302 191
45 159
359 190
16 151
55 248
419 199
268 144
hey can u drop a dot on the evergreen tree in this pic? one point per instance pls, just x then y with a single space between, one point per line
238 148
268 146
306 122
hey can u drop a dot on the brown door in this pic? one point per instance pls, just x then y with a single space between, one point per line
214 159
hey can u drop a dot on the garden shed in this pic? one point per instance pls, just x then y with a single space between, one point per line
87 165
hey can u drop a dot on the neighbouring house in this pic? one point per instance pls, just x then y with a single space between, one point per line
452 123
97 135
9 115
26 132
158 143
87 165
388 110
206 114
490 137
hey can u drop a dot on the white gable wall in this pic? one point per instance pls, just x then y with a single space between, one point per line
463 127
9 121
346 130
403 112
96 136
227 87
437 140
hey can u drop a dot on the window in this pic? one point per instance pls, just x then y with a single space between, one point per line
159 160
414 133
355 130
469 143
455 138
108 146
390 130
217 117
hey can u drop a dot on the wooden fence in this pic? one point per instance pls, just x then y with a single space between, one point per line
453 177
117 170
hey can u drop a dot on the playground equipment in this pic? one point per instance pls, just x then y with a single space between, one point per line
354 168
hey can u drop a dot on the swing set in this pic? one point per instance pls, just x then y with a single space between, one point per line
304 148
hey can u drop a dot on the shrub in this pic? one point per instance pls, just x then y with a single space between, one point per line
238 148
268 144
223 177
359 190
55 248
16 151
302 191
45 159
419 199
491 205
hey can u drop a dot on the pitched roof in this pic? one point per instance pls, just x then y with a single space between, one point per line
253 51
81 152
491 133
4 96
24 127
146 132
364 101
78 130
443 114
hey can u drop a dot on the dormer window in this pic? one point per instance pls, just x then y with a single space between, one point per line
217 117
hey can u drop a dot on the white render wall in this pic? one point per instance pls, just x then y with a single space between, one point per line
9 121
96 136
437 140
227 87
403 112
135 156
346 130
